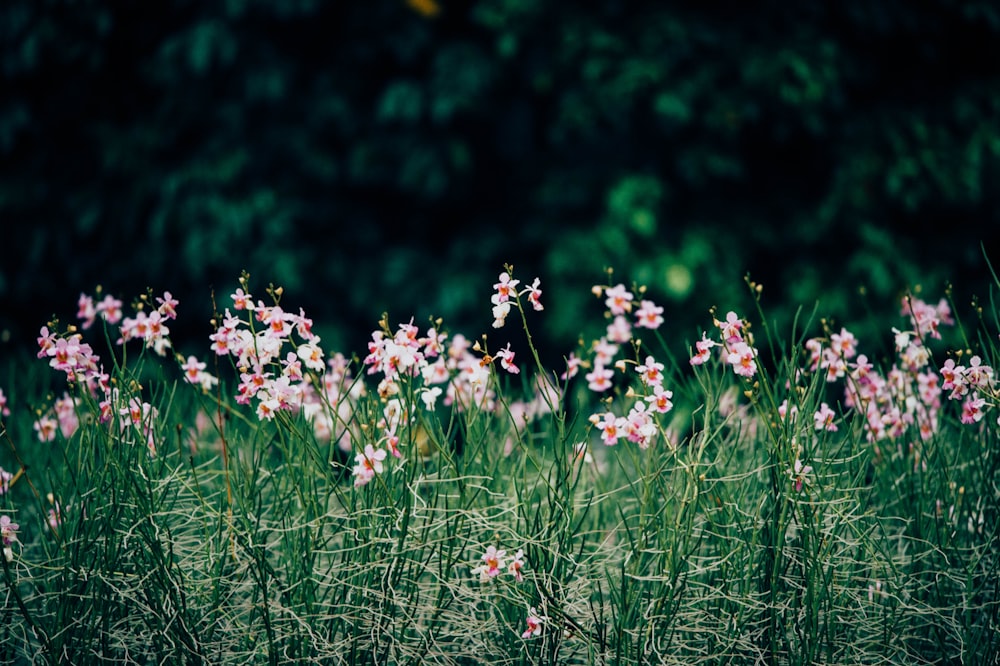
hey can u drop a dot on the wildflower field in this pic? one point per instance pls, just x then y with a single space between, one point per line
763 493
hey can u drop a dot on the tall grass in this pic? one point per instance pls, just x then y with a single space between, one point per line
168 521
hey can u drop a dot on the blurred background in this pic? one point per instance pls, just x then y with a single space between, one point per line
392 155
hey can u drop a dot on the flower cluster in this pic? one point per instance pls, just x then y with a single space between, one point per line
735 343
639 424
909 394
619 303
282 367
505 290
270 376
435 366
151 328
495 562
969 384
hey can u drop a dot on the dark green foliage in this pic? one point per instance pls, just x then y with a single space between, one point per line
371 157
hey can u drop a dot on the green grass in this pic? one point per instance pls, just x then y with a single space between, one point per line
242 540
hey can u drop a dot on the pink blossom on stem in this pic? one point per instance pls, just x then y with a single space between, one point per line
534 295
741 357
823 418
639 425
619 330
651 372
534 622
110 308
367 464
649 315
611 427
972 410
732 328
844 343
599 379
8 530
516 565
505 288
604 352
506 357
618 299
799 474
661 399
703 350
241 300
167 305
86 312
573 364
493 563
46 341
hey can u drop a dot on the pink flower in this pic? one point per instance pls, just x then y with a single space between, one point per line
619 330
741 357
599 379
8 530
651 372
534 295
167 306
241 300
732 328
649 315
64 353
815 348
534 621
46 428
951 374
506 357
4 409
800 475
979 376
572 367
194 373
639 425
367 464
844 343
824 417
834 364
110 308
46 341
86 311
704 350
783 410
493 564
516 565
505 288
618 299
661 399
972 410
610 427
604 352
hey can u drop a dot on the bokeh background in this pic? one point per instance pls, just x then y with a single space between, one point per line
391 155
